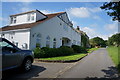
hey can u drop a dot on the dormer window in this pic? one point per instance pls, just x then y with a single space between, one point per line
30 17
13 20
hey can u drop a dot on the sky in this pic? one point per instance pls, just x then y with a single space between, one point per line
87 15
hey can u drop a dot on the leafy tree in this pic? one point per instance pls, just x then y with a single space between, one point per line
114 40
113 9
97 41
85 41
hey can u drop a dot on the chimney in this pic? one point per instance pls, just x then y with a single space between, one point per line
78 28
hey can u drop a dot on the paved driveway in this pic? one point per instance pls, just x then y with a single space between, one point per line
98 64
39 70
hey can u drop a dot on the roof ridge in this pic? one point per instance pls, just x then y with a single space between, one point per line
55 13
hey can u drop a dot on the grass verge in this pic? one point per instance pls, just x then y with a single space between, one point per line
91 49
70 57
113 52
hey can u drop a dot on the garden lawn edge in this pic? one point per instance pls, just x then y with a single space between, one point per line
61 61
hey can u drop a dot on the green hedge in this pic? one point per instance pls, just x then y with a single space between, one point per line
38 53
79 49
54 52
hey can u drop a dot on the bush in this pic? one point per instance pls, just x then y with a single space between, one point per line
78 49
65 50
37 45
64 46
54 52
38 53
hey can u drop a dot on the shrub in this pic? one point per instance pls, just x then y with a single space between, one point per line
45 49
65 46
78 49
54 52
38 53
37 45
65 50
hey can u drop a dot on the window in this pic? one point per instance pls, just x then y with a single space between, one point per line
3 35
5 44
47 41
54 43
25 46
13 20
6 47
11 35
74 42
30 17
16 44
38 40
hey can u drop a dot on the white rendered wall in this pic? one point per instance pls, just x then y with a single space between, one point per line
22 19
20 36
53 29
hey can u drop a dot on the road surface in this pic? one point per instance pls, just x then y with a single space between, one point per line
96 65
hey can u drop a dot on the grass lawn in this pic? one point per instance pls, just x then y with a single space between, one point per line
113 52
92 49
70 57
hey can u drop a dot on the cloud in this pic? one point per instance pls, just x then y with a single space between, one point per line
25 6
111 27
96 17
3 19
75 24
91 32
83 12
47 11
94 10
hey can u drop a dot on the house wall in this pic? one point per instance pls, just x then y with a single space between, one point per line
55 28
18 36
22 19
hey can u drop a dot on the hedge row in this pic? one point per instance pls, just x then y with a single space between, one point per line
54 52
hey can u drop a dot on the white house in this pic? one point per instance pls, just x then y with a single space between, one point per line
49 30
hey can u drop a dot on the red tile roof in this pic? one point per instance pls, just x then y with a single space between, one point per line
29 25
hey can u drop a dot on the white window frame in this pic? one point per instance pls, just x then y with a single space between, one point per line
54 43
13 20
48 41
38 39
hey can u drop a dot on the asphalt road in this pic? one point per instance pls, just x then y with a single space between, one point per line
96 65
39 70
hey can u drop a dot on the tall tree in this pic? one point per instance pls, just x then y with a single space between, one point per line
113 10
97 41
114 40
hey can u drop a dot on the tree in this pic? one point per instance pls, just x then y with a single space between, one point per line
85 41
97 41
113 9
114 40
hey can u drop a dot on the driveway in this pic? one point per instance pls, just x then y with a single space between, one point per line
97 64
39 70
